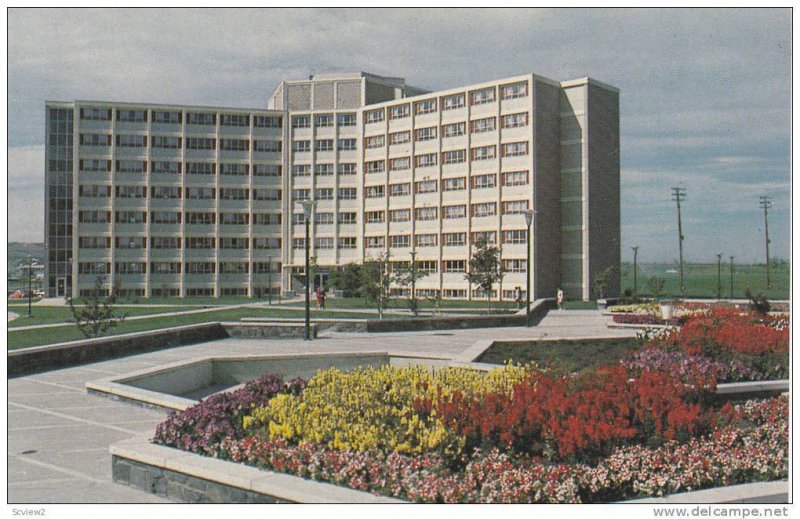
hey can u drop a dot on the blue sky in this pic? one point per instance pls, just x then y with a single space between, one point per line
705 94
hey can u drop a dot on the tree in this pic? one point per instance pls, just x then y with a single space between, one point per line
601 281
485 268
97 315
407 277
376 277
656 286
347 279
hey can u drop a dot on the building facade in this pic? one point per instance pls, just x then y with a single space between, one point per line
170 200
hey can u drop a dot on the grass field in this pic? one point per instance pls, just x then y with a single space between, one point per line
357 302
62 314
569 356
701 279
27 338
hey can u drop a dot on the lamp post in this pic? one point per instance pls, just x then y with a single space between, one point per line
308 208
269 279
30 291
732 276
413 281
635 269
528 221
719 275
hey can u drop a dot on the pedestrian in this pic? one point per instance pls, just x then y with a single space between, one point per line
318 295
322 298
560 299
518 297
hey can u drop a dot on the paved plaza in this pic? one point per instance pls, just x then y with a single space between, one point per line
58 435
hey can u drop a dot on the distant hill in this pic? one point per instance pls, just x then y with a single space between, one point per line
18 252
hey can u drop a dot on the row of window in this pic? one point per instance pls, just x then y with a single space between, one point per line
176 168
325 145
324 120
449 102
321 170
478 153
172 267
176 143
177 117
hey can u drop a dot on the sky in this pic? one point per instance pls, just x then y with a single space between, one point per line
704 93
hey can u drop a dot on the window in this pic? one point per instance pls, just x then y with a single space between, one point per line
266 243
131 166
346 144
301 121
267 194
348 168
267 218
348 193
514 120
323 243
132 141
515 237
201 242
453 293
130 267
323 170
454 157
453 101
165 292
233 193
374 216
298 219
454 184
426 266
201 119
375 166
165 167
130 242
515 178
424 161
95 165
375 242
399 163
425 107
301 146
514 90
454 239
399 137
196 267
323 218
234 144
484 181
264 267
324 193
453 130
95 191
425 134
346 119
165 242
426 213
267 121
95 139
488 237
201 168
347 218
266 170
399 112
515 207
426 240
234 243
234 120
233 267
376 141
482 125
515 265
165 142
200 292
425 186
323 144
94 216
130 217
201 143
96 114
400 215
403 189
323 121
132 116
484 209
515 149
373 116
234 169
399 240
454 266
166 117
201 218
234 218
301 170
454 211
484 152
165 217
165 192
301 194
483 96
201 193
347 242
165 267
267 146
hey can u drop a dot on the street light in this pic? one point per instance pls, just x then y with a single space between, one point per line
30 291
635 281
413 281
732 276
308 208
528 221
719 275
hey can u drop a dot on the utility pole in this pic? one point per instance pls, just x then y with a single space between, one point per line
719 275
678 195
732 276
30 290
765 202
635 284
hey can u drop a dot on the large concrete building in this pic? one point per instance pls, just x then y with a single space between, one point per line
202 201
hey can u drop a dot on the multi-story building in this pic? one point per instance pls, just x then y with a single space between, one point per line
188 200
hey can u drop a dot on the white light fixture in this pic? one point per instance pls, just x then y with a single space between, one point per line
528 216
308 207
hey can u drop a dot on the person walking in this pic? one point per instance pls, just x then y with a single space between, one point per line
322 298
518 297
318 295
560 299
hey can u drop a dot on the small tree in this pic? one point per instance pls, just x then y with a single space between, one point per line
485 268
407 277
601 282
347 279
97 315
376 277
655 285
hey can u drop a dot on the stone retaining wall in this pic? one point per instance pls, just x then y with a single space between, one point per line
268 331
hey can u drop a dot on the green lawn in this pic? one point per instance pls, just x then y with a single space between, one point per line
425 304
570 356
62 314
27 338
701 279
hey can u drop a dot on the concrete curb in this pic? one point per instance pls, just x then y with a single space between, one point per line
769 492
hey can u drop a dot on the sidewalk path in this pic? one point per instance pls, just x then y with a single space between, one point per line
58 435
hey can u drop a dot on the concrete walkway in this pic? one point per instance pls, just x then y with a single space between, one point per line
58 435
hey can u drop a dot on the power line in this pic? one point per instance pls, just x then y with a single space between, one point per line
678 195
